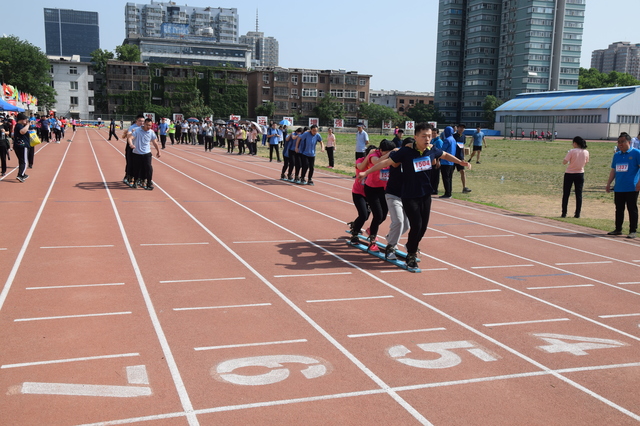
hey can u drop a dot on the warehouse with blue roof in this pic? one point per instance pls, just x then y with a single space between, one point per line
591 113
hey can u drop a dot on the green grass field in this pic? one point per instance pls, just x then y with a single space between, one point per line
520 176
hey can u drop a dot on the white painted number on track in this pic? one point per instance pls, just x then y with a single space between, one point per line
447 357
135 374
277 374
557 343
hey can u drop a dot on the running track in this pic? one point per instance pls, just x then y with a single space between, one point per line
226 296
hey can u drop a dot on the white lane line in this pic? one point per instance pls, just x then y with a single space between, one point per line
393 271
69 247
181 390
385 333
262 242
500 266
423 270
349 299
246 345
2 249
582 263
312 275
629 283
173 244
60 361
73 286
84 390
487 236
203 279
462 292
436 237
222 307
619 316
525 322
27 240
72 316
560 286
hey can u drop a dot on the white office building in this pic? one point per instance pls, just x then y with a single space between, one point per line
73 82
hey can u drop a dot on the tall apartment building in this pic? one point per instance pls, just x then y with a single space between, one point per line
71 32
503 48
73 81
297 91
621 56
264 50
168 20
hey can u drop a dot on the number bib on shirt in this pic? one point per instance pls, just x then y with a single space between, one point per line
384 174
622 167
421 164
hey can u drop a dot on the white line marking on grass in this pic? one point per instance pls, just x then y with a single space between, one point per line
203 279
462 292
583 263
222 307
525 322
619 316
72 316
60 361
312 275
349 299
244 345
560 286
263 242
71 247
72 286
173 244
500 266
384 333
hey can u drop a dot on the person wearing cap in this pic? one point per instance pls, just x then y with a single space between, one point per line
21 145
362 140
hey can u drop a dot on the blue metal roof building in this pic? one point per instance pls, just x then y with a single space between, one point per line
590 113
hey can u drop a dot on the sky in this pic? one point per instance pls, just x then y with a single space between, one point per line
393 42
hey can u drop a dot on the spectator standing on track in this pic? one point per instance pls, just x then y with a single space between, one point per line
171 131
362 140
44 129
625 169
446 166
331 146
163 127
461 141
306 147
416 162
184 132
478 142
21 145
273 137
435 167
208 136
5 131
140 143
193 132
575 159
112 129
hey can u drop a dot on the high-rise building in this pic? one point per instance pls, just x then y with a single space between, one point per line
503 48
621 56
168 20
71 32
264 50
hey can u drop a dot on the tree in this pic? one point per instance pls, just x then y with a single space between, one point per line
128 53
197 108
421 113
489 106
593 79
266 109
376 114
24 66
99 58
329 108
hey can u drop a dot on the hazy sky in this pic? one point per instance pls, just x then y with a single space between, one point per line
394 42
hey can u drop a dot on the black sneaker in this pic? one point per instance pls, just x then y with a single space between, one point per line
149 187
616 232
20 178
310 182
411 261
354 239
282 177
390 252
25 177
301 182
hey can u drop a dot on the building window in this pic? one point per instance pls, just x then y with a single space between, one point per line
309 78
265 78
401 101
73 70
73 85
51 69
294 79
91 100
310 93
158 72
410 101
73 101
265 90
294 92
363 82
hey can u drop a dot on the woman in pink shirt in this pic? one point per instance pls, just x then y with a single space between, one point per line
575 159
331 146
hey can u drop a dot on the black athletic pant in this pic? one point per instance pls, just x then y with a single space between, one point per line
273 147
163 140
144 169
330 150
113 133
630 201
21 153
30 154
208 143
128 165
378 205
570 179
363 212
434 177
287 164
308 163
297 161
3 155
417 211
447 178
